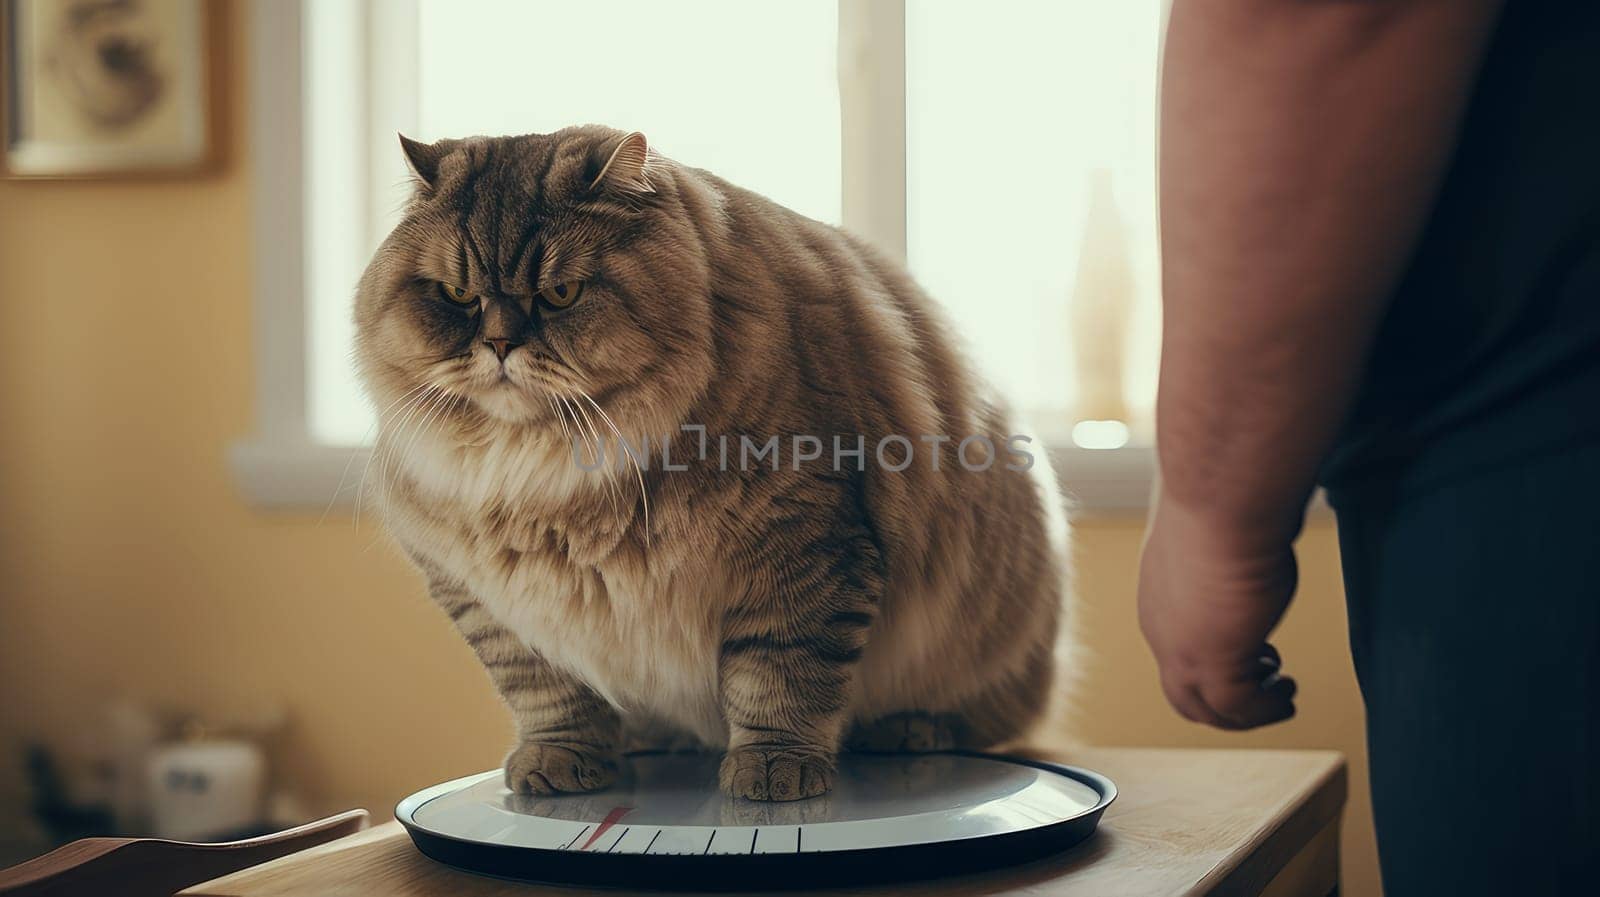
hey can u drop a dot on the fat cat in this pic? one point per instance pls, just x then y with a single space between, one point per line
551 302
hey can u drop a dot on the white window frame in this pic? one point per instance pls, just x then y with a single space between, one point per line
281 466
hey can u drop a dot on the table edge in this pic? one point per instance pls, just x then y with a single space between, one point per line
1254 863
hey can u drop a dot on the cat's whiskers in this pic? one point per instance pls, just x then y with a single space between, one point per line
644 495
555 412
557 390
387 422
562 394
413 410
439 406
431 405
556 408
413 414
344 474
606 472
584 433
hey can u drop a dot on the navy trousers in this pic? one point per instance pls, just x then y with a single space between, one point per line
1475 626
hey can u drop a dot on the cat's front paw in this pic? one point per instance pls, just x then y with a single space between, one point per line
535 767
776 773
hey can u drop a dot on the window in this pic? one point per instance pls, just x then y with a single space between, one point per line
1005 149
1030 138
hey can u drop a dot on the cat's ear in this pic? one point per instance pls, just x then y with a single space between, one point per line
423 158
627 168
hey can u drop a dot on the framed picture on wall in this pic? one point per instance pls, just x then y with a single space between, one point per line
100 88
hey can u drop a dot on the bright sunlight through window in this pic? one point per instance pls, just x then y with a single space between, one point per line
1029 159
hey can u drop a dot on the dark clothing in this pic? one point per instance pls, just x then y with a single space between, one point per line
1491 345
1475 626
1467 488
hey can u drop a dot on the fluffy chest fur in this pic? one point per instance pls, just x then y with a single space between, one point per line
542 545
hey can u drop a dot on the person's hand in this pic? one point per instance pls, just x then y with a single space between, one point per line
1208 598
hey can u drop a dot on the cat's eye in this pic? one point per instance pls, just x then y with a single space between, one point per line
456 295
562 295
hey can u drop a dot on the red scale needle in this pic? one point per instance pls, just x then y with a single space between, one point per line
612 818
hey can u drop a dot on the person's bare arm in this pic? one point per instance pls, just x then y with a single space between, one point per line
1302 143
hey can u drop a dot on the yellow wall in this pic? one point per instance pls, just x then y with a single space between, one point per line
129 564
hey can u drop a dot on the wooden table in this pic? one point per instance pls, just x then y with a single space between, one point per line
1184 822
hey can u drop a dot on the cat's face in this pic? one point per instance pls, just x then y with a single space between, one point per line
536 272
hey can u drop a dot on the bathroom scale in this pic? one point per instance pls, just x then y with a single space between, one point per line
665 824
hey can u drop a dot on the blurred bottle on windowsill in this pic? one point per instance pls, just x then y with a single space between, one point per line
1101 306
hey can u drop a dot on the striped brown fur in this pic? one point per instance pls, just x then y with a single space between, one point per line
776 614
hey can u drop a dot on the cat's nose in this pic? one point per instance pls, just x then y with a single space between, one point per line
501 347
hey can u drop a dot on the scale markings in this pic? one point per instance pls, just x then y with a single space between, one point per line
574 840
1038 800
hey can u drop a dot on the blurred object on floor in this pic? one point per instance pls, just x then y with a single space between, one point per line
62 815
140 770
205 789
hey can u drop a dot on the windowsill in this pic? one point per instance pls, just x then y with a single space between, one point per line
305 476
286 475
1105 482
